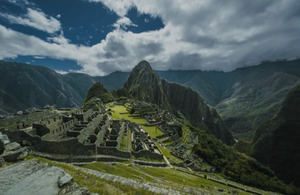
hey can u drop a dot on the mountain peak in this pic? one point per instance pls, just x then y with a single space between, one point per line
143 65
144 84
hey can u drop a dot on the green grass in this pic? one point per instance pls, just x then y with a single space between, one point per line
120 170
166 153
120 112
185 133
123 145
150 159
168 177
245 136
153 131
93 183
8 126
177 179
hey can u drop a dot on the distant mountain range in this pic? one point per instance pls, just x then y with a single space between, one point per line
245 98
24 86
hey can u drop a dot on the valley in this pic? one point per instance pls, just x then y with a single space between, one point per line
142 138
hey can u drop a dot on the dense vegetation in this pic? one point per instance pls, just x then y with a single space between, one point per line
277 143
237 166
98 91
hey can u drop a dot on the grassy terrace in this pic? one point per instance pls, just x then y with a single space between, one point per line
120 112
166 177
167 154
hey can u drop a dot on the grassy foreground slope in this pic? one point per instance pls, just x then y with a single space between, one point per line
166 178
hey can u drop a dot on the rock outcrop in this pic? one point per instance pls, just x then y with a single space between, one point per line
11 151
34 178
144 84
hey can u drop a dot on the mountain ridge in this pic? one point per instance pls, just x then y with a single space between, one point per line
218 89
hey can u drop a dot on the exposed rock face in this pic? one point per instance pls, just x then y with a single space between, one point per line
276 142
34 178
194 108
144 84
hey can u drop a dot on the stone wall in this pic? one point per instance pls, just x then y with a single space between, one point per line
113 152
67 146
147 154
40 129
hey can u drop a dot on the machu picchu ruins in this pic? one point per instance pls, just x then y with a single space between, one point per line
142 137
86 133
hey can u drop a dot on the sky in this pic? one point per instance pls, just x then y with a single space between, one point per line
98 37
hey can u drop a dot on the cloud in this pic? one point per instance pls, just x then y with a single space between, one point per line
212 34
36 19
119 6
123 22
207 35
61 71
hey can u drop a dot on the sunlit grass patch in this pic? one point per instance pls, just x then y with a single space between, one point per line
166 153
120 112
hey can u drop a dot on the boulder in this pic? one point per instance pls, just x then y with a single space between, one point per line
34 178
12 146
13 156
4 138
64 180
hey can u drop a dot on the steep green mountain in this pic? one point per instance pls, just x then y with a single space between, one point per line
252 103
23 86
97 90
96 96
209 84
144 84
276 142
245 97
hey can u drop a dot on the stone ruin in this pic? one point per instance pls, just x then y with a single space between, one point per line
85 133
